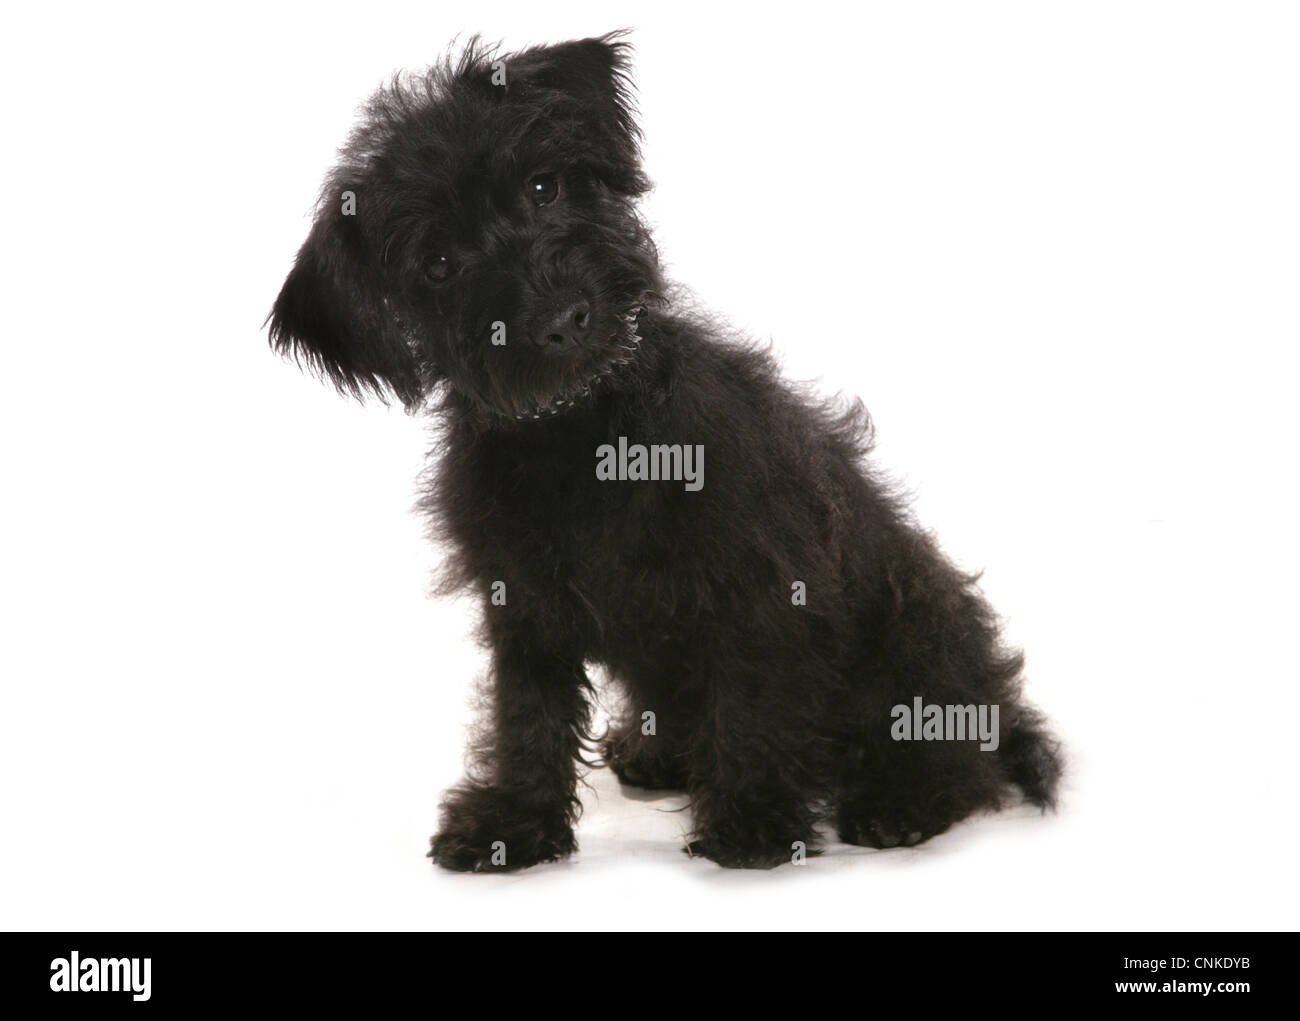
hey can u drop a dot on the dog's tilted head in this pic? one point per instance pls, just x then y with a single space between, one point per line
480 231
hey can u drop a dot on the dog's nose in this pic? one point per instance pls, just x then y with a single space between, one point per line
566 331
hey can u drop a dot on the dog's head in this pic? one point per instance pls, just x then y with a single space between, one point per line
480 230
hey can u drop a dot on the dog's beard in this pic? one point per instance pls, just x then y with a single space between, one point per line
568 387
620 350
540 387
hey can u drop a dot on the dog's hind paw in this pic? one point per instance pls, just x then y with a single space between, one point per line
636 766
883 834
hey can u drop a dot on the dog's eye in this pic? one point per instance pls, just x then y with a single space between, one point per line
438 269
543 189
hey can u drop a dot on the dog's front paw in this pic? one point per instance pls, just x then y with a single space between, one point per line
749 857
488 830
474 853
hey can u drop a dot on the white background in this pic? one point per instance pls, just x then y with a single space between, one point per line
1054 247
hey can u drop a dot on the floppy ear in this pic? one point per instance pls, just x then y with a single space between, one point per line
597 73
331 314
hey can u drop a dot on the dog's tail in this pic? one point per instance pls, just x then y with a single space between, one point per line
1033 760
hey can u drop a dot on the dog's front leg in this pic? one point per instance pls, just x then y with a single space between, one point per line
757 762
519 804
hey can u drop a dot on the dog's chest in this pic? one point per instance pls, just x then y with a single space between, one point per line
619 552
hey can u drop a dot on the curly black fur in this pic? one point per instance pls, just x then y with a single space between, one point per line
488 209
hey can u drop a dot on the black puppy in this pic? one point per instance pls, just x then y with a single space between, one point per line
792 648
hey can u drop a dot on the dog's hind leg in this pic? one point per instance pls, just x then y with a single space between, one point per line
645 759
646 745
936 650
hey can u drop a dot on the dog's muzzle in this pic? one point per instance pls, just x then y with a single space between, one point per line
625 347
